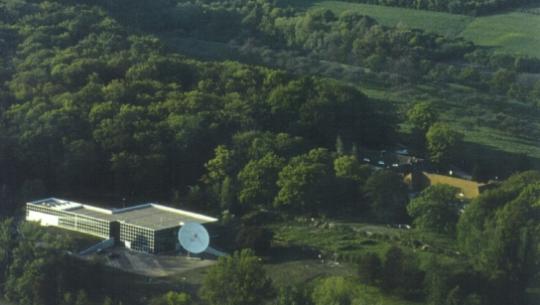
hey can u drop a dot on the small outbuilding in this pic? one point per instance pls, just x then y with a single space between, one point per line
418 181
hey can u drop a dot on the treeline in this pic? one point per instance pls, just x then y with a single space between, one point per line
466 7
88 107
349 38
264 171
270 33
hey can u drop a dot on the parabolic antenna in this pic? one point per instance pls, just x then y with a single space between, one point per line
193 237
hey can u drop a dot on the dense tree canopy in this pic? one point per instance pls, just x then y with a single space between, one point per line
91 99
388 195
305 184
91 105
258 180
422 116
443 144
436 209
499 229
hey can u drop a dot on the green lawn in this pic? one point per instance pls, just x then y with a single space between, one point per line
512 32
346 242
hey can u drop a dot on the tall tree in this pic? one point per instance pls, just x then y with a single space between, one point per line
443 144
436 209
258 180
499 230
422 116
388 196
305 183
238 279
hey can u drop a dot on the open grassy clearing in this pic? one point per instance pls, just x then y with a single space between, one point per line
498 140
513 32
444 23
347 241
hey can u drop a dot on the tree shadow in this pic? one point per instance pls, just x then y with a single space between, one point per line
282 254
495 162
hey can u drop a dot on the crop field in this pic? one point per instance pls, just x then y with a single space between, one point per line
513 32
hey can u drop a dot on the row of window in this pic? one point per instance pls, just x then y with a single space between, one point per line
139 238
76 222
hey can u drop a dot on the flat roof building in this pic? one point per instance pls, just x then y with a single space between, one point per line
147 227
468 189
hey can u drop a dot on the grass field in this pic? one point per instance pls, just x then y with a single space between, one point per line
347 241
447 24
512 32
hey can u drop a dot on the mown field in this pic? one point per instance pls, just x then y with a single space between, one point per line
514 32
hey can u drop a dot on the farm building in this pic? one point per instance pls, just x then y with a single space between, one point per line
468 188
147 227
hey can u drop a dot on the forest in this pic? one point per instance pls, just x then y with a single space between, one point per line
83 93
354 48
94 105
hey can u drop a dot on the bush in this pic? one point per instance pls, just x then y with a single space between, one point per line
172 298
334 291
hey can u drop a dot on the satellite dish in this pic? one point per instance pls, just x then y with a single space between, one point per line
193 237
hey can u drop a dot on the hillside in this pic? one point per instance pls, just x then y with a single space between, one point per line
295 128
513 32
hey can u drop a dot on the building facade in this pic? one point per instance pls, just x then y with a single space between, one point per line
61 216
150 228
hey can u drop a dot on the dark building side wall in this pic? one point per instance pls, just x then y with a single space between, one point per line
166 239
